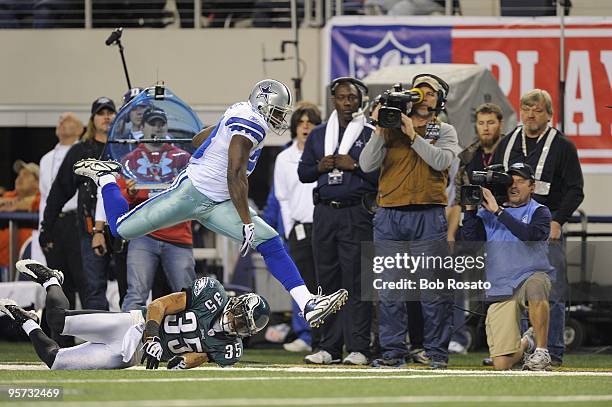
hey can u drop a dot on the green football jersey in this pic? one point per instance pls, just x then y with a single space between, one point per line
191 330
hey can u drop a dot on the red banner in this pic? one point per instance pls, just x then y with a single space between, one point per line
528 56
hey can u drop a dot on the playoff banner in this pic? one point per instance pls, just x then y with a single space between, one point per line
522 53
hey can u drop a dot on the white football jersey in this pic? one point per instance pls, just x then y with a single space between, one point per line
207 168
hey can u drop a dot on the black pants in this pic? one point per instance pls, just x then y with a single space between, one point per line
66 257
337 237
303 255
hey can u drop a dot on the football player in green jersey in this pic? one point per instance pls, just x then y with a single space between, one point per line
186 329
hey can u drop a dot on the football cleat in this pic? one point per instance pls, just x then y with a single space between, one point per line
322 306
94 169
10 308
38 271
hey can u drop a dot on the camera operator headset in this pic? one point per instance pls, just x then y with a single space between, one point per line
442 89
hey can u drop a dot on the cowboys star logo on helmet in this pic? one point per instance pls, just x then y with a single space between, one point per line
265 92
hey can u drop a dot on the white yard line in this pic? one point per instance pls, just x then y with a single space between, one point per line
345 401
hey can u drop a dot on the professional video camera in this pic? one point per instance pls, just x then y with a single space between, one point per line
494 178
395 102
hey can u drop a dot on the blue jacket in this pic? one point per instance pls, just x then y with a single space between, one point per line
355 183
517 244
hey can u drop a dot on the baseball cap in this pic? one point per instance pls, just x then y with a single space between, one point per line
522 170
153 113
31 167
102 103
429 81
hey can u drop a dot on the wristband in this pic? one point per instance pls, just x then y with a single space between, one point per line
499 211
371 124
94 230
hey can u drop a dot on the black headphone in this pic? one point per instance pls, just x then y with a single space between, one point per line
361 87
442 94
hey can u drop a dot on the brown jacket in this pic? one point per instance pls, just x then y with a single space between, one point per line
405 178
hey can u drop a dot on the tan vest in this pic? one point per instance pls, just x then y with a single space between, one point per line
405 178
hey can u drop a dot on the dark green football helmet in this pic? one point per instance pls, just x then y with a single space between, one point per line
246 315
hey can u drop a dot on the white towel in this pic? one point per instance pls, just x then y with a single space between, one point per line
131 341
352 132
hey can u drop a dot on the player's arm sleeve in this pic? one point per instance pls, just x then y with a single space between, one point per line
247 128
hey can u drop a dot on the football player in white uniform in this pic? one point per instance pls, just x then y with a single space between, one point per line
213 190
200 324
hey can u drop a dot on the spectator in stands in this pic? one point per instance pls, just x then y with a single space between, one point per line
297 209
341 221
65 252
41 14
409 7
558 185
414 163
96 256
533 8
24 198
517 268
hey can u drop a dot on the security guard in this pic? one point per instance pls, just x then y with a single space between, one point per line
340 221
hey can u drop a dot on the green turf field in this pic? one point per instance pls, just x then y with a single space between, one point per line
276 378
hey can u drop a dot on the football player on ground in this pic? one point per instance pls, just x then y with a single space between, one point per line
213 190
186 329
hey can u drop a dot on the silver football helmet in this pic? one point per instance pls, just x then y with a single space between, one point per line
245 315
273 100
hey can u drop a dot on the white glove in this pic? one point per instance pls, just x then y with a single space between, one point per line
248 235
177 363
152 352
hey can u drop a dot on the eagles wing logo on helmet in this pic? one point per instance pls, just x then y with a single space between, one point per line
273 100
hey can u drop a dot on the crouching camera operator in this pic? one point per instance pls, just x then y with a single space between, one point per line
517 268
414 150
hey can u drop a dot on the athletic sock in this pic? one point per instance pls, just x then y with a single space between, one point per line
106 179
115 204
301 295
49 282
542 350
29 326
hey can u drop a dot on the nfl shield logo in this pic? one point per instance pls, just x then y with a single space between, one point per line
388 52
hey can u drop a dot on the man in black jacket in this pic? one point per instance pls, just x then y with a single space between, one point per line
93 245
558 185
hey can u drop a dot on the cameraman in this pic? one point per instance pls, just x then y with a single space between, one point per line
518 270
414 162
558 185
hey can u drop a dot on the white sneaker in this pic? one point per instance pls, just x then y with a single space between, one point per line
94 169
322 306
355 358
320 358
299 345
456 348
539 360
